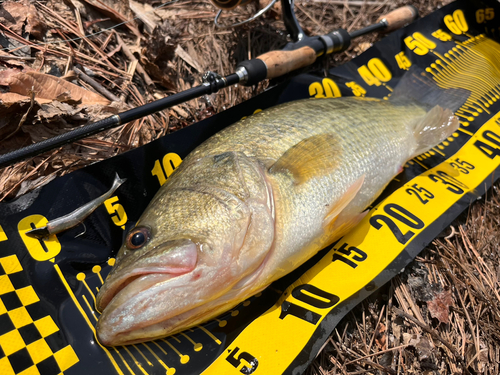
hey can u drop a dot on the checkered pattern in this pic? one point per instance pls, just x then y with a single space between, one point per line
30 341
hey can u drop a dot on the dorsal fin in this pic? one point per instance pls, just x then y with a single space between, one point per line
315 156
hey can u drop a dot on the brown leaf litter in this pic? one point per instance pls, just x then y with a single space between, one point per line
440 305
440 316
22 18
48 88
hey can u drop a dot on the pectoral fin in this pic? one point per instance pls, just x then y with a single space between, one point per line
342 203
315 156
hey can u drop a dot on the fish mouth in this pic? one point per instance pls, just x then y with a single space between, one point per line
110 290
131 291
165 261
122 295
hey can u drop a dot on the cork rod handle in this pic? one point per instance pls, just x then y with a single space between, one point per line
399 17
282 62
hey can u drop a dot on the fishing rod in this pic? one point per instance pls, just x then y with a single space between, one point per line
301 52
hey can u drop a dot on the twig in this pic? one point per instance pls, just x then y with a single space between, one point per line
453 232
131 71
371 363
434 334
375 330
9 57
377 353
338 364
96 85
319 25
76 31
131 57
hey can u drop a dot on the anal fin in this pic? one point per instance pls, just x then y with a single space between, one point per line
342 226
342 203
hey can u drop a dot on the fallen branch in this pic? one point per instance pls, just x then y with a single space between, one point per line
96 85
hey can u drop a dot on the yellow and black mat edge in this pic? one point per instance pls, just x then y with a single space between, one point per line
46 322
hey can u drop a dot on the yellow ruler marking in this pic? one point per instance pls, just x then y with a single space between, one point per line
465 132
3 235
90 308
142 354
137 363
210 334
449 76
196 345
176 339
163 350
97 270
419 163
124 361
469 118
79 307
184 358
81 277
222 323
488 55
439 152
170 370
467 80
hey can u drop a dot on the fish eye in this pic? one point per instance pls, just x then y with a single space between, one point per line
138 237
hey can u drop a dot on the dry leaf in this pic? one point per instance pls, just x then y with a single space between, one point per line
17 15
10 117
362 47
55 110
168 13
179 51
34 24
381 337
9 59
57 118
13 16
145 12
439 306
48 88
12 97
7 75
423 346
158 51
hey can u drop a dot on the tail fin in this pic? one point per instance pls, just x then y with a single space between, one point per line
417 86
433 128
117 182
439 122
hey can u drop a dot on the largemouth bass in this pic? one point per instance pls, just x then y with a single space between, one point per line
257 200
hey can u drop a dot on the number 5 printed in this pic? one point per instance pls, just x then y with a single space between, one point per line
117 212
250 359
